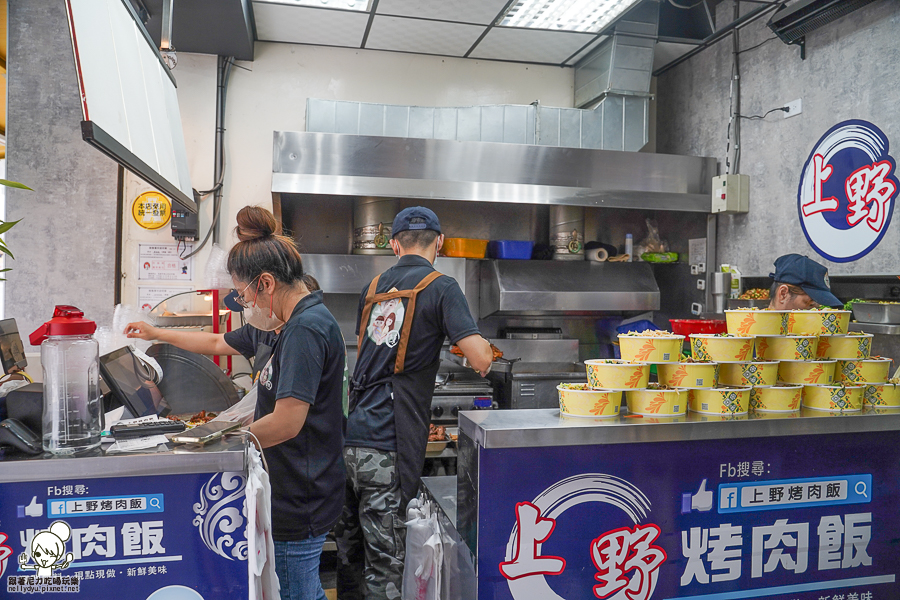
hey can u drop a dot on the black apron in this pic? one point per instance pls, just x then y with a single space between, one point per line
411 392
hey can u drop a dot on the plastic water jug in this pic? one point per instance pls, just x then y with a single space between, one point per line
70 357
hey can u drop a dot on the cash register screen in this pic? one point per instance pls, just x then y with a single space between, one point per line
132 383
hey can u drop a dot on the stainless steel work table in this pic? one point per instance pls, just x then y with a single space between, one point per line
780 485
129 524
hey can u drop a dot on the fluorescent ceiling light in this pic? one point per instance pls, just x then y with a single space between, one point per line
360 5
565 15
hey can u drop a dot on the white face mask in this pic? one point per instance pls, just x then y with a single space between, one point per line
260 318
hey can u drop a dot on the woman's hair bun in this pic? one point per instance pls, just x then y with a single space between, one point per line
254 223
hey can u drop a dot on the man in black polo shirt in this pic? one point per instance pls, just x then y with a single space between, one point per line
404 316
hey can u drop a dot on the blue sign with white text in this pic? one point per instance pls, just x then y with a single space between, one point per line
792 518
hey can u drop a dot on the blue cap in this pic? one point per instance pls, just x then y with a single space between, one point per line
231 302
806 274
415 218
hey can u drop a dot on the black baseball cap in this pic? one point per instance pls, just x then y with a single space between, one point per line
231 301
806 274
415 218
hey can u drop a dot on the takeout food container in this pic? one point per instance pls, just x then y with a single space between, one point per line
578 400
688 375
867 370
721 400
650 348
877 311
776 398
786 347
464 248
846 398
611 374
658 403
807 372
712 347
845 347
883 395
756 322
817 322
755 372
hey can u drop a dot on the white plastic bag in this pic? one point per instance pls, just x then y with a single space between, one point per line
260 546
216 273
424 554
242 412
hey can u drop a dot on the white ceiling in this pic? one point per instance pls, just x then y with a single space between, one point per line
458 28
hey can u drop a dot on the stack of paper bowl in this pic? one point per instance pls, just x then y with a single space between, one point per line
688 374
786 347
807 372
721 347
720 400
649 348
845 346
882 395
579 400
782 398
756 322
843 398
657 402
612 374
818 322
863 370
754 372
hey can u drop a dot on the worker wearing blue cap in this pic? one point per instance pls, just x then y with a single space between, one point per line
405 314
800 283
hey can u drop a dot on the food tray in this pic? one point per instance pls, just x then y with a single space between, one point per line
873 312
438 446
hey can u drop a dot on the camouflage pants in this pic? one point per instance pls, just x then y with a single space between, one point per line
370 534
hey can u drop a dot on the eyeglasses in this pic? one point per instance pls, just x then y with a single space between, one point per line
240 296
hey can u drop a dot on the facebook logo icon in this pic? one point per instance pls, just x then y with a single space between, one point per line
728 497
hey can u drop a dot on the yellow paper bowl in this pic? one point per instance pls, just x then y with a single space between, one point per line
786 347
586 402
650 349
864 370
721 400
882 395
657 403
807 372
776 398
688 375
610 374
845 347
817 322
711 347
833 397
756 322
748 373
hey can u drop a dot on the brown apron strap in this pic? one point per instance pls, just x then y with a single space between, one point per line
366 313
400 363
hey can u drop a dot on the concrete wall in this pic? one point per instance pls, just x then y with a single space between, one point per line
270 94
848 74
65 245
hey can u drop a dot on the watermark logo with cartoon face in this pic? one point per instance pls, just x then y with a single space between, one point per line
46 556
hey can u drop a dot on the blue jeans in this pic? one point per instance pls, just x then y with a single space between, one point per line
297 566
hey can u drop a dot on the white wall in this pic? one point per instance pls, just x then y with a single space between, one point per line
270 94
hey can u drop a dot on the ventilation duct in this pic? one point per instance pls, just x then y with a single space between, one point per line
792 23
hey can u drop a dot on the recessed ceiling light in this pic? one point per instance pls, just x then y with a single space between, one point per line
360 5
565 15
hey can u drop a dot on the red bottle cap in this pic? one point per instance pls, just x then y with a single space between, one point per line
67 320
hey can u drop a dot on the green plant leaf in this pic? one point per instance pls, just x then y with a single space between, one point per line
6 250
14 184
7 225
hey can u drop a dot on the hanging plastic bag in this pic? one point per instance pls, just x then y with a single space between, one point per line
424 554
216 275
243 412
651 243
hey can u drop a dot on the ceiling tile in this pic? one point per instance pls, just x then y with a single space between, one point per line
530 45
305 25
423 37
467 11
590 47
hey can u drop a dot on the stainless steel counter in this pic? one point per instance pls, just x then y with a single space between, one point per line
547 427
443 491
228 455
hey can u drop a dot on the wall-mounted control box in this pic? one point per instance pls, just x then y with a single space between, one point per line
731 194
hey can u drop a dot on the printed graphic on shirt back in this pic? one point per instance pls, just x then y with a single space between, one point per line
385 322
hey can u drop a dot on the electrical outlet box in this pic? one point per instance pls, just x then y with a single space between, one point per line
793 108
731 194
701 284
185 225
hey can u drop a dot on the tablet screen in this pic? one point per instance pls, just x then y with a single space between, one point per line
131 381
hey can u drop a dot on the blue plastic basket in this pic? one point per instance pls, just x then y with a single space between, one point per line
510 249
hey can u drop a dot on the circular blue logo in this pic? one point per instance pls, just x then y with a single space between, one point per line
847 191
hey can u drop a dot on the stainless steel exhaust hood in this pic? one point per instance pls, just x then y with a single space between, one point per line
359 165
511 287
